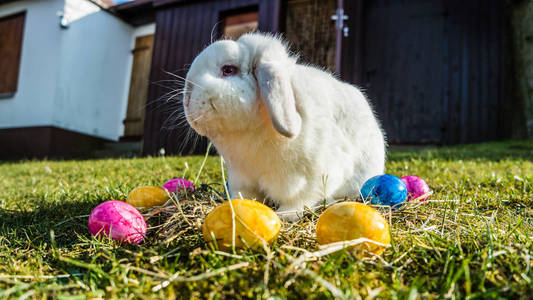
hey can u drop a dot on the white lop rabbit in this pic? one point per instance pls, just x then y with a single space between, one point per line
289 133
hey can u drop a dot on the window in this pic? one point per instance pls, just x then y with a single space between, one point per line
11 29
236 25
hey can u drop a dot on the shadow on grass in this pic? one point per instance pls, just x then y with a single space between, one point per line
492 151
25 229
67 220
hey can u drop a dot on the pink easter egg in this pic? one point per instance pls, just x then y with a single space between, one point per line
118 220
416 187
178 185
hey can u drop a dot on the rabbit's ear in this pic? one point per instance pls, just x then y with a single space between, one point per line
275 88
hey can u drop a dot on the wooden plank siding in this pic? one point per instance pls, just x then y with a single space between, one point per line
478 110
433 70
352 46
183 29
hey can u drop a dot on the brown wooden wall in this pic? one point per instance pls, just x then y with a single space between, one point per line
434 70
184 28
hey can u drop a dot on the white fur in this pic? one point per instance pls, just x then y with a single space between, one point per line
290 133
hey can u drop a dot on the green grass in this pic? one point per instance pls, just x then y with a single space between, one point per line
475 242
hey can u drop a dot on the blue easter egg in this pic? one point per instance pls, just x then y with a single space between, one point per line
384 190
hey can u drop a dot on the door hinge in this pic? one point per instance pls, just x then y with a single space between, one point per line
339 17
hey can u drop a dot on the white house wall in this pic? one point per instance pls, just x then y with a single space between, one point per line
92 90
75 78
77 9
32 104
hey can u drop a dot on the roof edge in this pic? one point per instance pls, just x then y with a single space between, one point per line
136 13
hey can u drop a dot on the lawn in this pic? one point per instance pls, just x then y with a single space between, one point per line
474 239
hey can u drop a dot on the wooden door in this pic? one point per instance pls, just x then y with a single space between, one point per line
184 28
433 70
140 78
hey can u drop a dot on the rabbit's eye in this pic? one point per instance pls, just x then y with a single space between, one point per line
228 70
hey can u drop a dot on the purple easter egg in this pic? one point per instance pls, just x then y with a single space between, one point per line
178 185
416 187
118 220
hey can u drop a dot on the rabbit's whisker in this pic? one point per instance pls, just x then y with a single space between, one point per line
198 118
163 85
169 117
184 79
213 30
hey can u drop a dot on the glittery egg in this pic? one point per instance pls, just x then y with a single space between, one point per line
177 185
147 196
352 220
384 190
417 188
119 221
254 222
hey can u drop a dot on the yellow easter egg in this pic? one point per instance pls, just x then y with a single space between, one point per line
147 196
351 220
254 222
